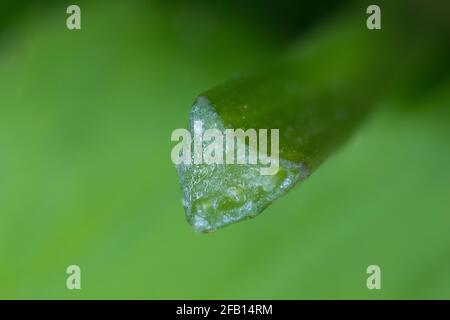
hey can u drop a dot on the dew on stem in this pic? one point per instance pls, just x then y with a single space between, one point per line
217 195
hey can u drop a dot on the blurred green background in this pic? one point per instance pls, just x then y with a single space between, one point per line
86 176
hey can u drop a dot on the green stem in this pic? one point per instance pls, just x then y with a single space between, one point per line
317 95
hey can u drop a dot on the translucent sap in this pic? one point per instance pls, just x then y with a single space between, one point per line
217 195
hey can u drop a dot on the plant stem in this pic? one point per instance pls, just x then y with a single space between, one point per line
316 95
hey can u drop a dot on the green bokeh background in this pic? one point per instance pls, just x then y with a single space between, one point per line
86 176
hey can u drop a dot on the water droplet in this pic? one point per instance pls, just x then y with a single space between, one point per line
279 177
236 194
234 198
215 196
202 206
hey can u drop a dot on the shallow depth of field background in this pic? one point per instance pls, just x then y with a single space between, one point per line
86 176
